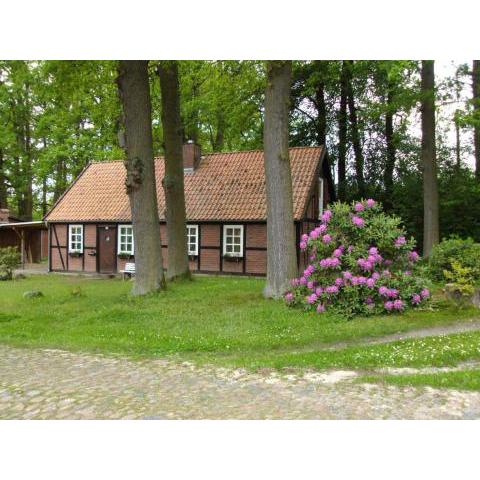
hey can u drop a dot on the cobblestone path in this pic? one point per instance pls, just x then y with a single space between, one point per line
53 384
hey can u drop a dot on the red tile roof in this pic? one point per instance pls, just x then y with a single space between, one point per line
224 187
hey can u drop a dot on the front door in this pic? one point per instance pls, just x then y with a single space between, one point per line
107 245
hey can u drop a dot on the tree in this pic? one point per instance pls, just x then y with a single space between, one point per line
429 161
173 180
476 114
281 254
342 135
134 93
355 131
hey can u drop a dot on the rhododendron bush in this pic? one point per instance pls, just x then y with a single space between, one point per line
360 262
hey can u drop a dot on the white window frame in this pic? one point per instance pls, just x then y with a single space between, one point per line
77 240
193 251
119 243
320 197
225 244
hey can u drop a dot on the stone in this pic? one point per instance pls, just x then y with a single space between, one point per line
32 294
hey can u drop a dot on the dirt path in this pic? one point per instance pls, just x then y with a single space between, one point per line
41 384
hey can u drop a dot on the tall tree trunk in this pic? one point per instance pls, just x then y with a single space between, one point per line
342 135
220 134
357 147
60 178
391 151
173 181
281 253
3 182
134 93
458 146
476 109
321 107
430 188
28 172
44 196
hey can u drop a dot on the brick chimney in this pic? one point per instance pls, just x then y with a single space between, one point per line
4 214
191 156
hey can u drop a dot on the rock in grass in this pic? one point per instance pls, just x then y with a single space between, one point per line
32 294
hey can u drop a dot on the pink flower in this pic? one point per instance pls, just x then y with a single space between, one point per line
392 293
334 262
386 273
350 248
354 280
387 262
322 228
388 305
314 234
311 299
304 237
347 275
416 298
337 252
370 203
319 291
320 308
338 282
359 207
370 283
294 282
398 304
303 245
310 285
289 297
425 293
326 238
358 221
407 273
361 280
327 215
372 258
413 256
373 250
383 291
375 276
331 289
302 281
369 300
400 241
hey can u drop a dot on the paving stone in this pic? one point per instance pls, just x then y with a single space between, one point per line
53 384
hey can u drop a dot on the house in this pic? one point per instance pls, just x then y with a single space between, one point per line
90 229
30 238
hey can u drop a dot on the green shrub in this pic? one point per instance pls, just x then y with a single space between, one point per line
360 263
465 252
9 261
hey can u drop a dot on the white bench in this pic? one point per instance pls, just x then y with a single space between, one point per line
129 270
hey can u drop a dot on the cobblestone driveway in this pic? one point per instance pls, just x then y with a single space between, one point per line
52 384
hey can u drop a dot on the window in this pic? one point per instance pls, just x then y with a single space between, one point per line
192 239
233 240
125 240
75 238
320 197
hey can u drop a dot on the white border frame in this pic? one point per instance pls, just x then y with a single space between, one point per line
232 254
70 226
195 253
119 251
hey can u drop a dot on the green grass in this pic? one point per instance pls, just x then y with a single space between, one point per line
218 319
460 380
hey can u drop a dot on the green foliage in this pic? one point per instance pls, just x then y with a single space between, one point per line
460 277
9 261
464 253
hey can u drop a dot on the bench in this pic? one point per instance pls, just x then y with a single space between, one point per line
129 270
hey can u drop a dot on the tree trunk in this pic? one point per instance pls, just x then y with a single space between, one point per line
281 253
173 181
342 135
391 151
321 107
430 188
3 183
458 145
357 147
134 93
60 178
476 110
219 136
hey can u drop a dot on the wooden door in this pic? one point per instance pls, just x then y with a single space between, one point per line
107 249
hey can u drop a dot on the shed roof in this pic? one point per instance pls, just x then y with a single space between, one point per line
224 187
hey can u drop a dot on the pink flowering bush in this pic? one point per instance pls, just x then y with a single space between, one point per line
360 263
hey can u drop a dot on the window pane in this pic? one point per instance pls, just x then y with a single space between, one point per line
229 248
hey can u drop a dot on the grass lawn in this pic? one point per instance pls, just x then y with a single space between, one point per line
460 380
214 319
